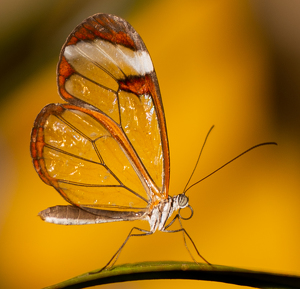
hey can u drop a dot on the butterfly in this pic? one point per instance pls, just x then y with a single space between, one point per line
106 149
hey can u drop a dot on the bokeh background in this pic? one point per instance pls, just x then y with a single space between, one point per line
231 63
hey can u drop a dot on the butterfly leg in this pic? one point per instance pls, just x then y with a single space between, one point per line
184 233
115 257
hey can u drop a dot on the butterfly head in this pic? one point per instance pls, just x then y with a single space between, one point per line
183 201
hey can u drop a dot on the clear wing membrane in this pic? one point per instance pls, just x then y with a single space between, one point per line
83 161
108 148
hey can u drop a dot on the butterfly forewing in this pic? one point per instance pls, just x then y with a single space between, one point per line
109 60
109 147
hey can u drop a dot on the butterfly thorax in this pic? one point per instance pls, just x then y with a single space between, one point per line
159 215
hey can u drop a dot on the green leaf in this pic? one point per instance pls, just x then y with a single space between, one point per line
181 270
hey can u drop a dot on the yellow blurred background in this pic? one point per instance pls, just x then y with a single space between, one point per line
231 63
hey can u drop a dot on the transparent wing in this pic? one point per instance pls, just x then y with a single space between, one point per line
104 63
78 156
108 147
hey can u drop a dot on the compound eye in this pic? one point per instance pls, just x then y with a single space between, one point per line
183 201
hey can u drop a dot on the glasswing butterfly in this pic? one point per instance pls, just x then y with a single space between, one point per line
106 150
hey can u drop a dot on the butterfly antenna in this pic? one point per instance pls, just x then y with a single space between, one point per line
246 151
184 191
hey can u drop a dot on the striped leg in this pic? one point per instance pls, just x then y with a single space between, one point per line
115 257
184 233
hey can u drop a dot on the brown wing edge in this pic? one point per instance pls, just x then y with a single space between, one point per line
37 145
